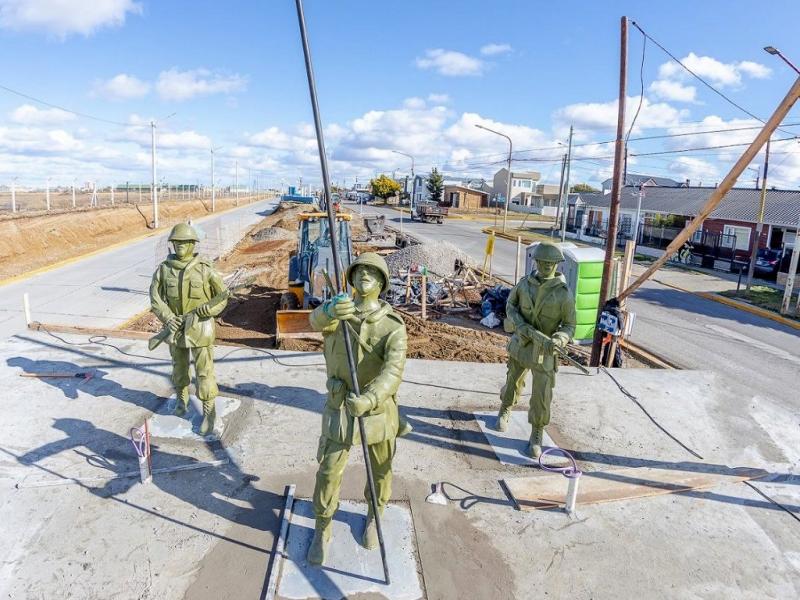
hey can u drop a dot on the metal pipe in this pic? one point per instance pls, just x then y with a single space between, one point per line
153 172
566 192
337 267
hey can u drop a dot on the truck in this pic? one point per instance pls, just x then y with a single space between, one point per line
429 212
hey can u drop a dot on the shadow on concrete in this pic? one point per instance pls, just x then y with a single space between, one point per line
97 385
470 499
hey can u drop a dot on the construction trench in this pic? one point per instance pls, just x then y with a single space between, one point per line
667 479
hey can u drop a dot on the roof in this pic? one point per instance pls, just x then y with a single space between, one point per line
635 179
782 207
465 187
521 174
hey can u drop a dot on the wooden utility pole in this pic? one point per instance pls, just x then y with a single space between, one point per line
719 192
611 238
762 203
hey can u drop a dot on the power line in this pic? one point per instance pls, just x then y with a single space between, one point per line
696 76
74 112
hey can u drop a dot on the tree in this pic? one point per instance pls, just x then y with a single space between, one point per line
435 185
384 187
583 188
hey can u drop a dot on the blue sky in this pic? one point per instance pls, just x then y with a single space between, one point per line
411 76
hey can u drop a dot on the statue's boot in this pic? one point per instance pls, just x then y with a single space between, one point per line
405 428
535 446
322 535
369 538
209 414
502 419
181 401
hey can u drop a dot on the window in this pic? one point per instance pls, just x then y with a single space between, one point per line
742 236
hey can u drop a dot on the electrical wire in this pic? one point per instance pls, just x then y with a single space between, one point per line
696 76
74 112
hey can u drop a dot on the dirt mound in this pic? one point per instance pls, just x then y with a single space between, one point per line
272 233
440 341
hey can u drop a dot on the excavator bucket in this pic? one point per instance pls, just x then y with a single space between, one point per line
294 324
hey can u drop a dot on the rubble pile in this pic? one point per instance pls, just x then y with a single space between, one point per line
271 233
438 257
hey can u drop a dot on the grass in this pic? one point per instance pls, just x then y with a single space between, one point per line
763 297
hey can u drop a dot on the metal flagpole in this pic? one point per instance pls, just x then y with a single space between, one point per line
337 266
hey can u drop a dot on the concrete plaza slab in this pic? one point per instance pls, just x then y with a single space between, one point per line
165 425
511 445
350 569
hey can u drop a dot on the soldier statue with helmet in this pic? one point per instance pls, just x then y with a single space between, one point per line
378 337
186 294
541 313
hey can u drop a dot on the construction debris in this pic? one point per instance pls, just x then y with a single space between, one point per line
439 258
272 233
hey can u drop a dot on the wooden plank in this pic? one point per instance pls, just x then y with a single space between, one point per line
91 331
549 491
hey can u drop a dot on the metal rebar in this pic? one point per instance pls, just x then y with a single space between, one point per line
312 90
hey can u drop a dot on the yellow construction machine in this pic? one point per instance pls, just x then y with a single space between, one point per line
310 267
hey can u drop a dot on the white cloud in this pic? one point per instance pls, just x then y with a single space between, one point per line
438 98
121 87
25 140
696 170
666 89
451 63
414 103
182 85
28 114
183 140
603 115
495 49
716 72
64 17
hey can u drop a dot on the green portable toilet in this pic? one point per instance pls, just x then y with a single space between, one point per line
583 270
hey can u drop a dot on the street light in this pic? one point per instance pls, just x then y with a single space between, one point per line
508 179
413 179
153 167
213 188
787 292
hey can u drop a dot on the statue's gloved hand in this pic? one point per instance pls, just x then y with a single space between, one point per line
174 323
203 311
341 307
358 405
560 340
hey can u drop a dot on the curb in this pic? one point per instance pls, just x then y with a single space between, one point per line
754 310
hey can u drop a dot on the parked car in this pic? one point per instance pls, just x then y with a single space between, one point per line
768 262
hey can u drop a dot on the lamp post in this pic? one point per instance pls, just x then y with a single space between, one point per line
508 179
213 183
413 179
787 293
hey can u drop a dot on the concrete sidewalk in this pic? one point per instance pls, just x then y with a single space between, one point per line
208 533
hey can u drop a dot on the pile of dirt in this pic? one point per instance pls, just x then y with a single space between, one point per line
272 233
30 241
435 340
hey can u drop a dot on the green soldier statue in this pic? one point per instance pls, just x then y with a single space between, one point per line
541 313
378 336
186 294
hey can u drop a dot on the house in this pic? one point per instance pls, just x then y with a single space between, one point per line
462 197
523 186
733 222
635 180
419 189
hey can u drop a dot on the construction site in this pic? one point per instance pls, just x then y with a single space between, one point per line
303 393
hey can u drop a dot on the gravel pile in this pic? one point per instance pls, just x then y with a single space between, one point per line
439 257
272 233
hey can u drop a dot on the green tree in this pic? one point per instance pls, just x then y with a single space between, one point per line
583 188
384 187
435 185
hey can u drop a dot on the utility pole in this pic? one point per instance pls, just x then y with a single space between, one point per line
566 192
213 187
760 224
638 215
73 193
127 192
611 238
153 169
413 179
47 193
237 183
13 194
560 194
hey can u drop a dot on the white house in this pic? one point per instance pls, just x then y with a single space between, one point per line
523 186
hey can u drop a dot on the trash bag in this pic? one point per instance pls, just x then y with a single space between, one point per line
490 321
494 299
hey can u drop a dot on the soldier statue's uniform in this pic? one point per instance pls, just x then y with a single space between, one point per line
186 294
378 338
541 312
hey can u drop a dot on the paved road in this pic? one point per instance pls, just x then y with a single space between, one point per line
760 356
106 289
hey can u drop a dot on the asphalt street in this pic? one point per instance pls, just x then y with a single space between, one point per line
106 289
759 356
